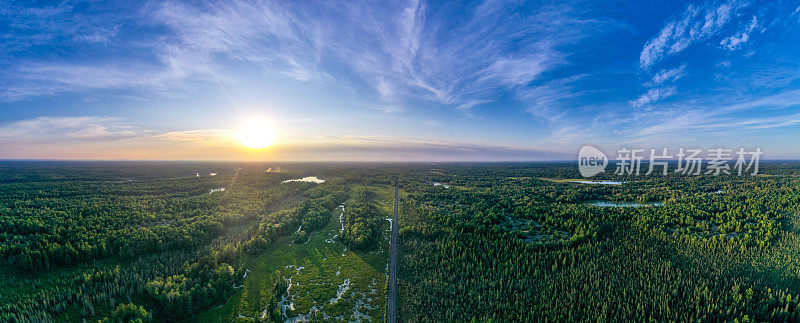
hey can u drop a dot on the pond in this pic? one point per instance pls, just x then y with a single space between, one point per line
622 204
307 179
599 182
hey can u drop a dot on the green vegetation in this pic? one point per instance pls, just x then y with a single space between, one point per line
362 221
131 242
118 242
316 278
129 313
507 245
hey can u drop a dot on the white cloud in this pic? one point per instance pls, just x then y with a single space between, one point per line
65 128
684 124
53 24
653 95
735 41
388 108
521 71
404 51
667 75
547 101
466 108
32 79
695 24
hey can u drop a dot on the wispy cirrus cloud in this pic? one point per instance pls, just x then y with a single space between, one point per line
65 128
70 27
404 49
667 75
466 108
695 24
59 23
36 78
661 86
547 101
581 71
684 123
388 108
653 95
735 41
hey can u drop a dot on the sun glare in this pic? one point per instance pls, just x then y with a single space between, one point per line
256 135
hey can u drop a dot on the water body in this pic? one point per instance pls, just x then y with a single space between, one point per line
307 179
220 189
599 182
440 184
341 221
622 204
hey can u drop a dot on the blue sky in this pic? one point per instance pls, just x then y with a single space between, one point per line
396 80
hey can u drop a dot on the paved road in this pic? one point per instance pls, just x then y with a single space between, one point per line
391 315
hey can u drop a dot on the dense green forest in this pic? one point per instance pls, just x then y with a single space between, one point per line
521 243
125 241
163 241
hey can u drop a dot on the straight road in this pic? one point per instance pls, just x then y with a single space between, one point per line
391 315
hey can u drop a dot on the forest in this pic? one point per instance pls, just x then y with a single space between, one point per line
130 242
162 241
526 243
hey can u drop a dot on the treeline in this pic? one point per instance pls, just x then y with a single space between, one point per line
315 213
513 243
623 276
129 313
180 263
89 293
211 279
362 220
208 281
66 228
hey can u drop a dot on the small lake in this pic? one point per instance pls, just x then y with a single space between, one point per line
307 179
622 204
220 189
440 184
599 182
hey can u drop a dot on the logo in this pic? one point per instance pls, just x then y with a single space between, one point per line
591 161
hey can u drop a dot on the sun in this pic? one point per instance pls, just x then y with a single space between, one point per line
256 134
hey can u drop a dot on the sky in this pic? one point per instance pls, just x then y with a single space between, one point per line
396 80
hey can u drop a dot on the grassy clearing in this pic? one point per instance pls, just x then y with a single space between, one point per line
328 281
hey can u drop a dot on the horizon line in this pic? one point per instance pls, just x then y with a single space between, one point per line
341 161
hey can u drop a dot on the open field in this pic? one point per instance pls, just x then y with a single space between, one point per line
327 281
